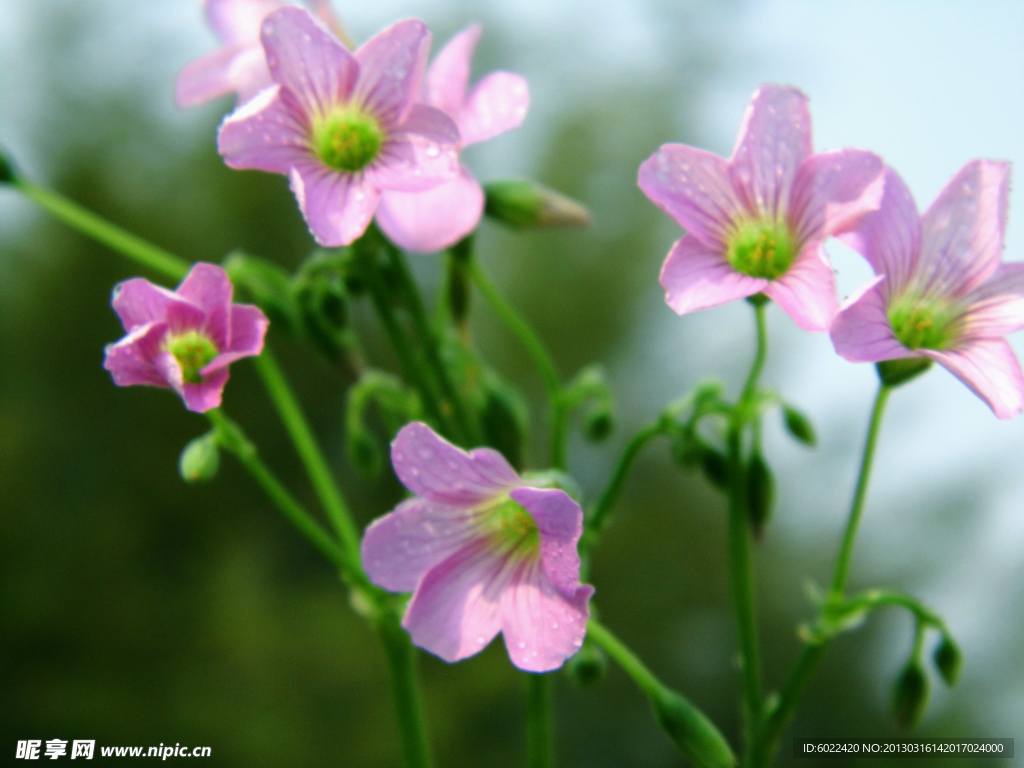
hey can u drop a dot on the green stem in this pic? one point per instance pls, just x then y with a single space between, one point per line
231 437
111 235
408 708
541 359
625 658
540 741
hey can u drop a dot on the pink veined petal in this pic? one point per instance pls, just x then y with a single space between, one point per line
996 307
248 327
391 67
498 103
832 190
264 134
238 21
249 73
990 369
170 370
542 626
807 290
861 331
448 76
962 231
890 238
456 609
431 467
401 546
182 316
308 60
338 207
207 77
774 139
207 394
209 288
421 154
695 276
138 302
434 219
693 187
559 521
130 360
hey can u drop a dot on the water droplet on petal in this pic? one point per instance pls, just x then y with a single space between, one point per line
522 644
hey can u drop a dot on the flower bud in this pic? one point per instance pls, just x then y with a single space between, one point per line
698 740
363 452
504 418
598 422
267 285
587 668
799 426
896 372
7 173
910 695
715 467
458 285
760 493
200 459
527 204
948 660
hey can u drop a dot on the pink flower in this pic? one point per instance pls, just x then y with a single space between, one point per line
342 126
183 339
239 65
482 553
440 217
942 291
756 222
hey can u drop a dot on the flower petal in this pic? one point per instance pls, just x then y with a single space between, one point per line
337 206
542 626
308 60
207 77
434 219
996 307
962 231
238 21
421 154
266 134
695 276
401 546
456 610
498 103
693 187
559 521
138 302
249 73
861 332
248 327
832 190
774 139
207 394
130 360
807 290
990 369
391 67
431 467
448 75
209 288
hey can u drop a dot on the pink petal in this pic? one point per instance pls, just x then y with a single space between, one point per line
138 302
542 626
248 327
209 288
861 332
498 103
207 78
308 60
421 155
249 73
962 231
695 276
774 139
391 67
238 21
990 369
401 546
266 134
184 316
206 395
890 238
456 610
431 467
559 521
337 206
130 360
432 220
832 190
448 75
996 307
807 290
693 187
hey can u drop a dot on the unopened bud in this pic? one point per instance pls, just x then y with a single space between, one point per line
587 668
949 660
527 204
200 460
715 467
799 426
910 696
363 452
896 372
7 172
698 740
504 419
598 422
760 493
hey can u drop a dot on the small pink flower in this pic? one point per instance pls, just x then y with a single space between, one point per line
942 291
440 217
342 126
482 553
756 222
183 339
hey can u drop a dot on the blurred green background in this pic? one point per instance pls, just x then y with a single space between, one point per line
138 611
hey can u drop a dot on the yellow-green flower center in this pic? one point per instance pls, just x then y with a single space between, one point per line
920 322
761 248
513 525
193 350
347 139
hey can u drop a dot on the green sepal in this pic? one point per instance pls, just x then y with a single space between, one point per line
200 459
896 372
910 696
799 426
695 735
268 286
760 493
948 660
587 667
527 204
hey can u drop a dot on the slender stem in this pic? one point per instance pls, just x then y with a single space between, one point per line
625 658
100 229
541 359
408 708
540 737
750 386
231 437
